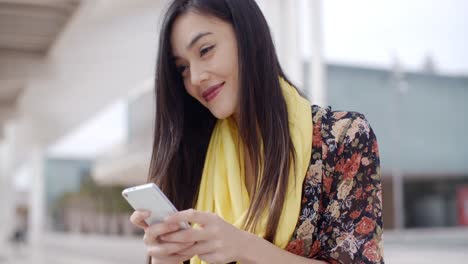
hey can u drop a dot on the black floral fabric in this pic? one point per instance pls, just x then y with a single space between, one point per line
341 211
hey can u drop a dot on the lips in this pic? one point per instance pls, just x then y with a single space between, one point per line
212 92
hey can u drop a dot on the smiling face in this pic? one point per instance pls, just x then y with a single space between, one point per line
205 53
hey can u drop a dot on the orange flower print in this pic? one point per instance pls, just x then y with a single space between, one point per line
327 182
358 193
371 251
317 137
350 167
341 149
365 226
296 247
314 249
355 214
340 166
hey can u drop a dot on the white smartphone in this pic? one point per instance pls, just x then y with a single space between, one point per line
149 197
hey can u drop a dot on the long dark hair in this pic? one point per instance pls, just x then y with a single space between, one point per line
183 126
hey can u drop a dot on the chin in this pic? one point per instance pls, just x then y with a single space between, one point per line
221 113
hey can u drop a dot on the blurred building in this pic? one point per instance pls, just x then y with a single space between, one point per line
62 177
67 60
420 122
61 63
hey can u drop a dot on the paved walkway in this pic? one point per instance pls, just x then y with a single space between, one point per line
43 256
426 246
408 247
73 249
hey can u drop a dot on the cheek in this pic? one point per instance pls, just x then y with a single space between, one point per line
230 70
226 68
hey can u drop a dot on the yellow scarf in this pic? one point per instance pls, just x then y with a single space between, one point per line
222 187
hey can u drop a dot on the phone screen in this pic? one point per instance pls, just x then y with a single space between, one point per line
149 197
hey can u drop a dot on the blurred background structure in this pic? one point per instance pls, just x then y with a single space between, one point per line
77 105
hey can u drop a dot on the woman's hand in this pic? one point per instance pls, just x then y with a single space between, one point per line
216 241
160 252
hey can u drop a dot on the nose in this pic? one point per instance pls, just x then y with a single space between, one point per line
198 74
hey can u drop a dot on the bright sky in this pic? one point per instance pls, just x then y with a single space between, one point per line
372 32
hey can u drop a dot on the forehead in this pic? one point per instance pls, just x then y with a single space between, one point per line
188 25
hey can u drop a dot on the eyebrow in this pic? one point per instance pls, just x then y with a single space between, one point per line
196 38
193 41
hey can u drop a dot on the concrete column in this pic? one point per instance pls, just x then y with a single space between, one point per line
290 53
282 17
317 71
5 196
37 196
7 193
400 88
272 11
398 200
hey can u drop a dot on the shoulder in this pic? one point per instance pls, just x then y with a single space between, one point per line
333 127
339 136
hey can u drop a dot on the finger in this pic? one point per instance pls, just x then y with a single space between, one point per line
162 229
138 218
185 236
165 250
190 215
200 248
149 240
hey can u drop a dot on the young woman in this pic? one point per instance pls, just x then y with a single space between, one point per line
271 178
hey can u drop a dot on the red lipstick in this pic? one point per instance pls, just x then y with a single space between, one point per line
212 92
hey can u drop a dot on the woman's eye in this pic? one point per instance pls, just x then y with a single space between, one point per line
203 51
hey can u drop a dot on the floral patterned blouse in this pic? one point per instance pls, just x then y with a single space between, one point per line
341 213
